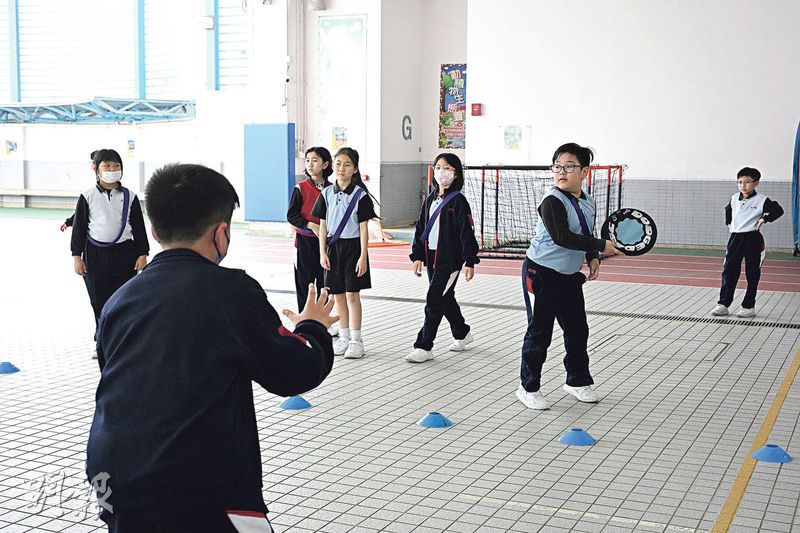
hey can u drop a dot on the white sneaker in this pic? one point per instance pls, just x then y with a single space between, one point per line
355 350
532 400
746 313
460 344
94 355
340 346
719 310
333 331
583 394
418 355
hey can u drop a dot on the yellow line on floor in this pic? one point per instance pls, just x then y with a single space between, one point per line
739 487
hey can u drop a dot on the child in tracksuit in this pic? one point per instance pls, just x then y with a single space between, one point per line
109 242
552 273
307 269
444 241
745 214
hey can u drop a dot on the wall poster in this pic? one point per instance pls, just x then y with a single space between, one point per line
452 106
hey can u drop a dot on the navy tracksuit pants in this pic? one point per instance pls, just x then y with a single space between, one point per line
307 268
559 297
750 247
107 269
441 302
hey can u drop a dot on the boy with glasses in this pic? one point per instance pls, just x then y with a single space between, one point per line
552 274
745 214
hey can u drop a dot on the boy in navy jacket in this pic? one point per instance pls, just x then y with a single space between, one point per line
174 444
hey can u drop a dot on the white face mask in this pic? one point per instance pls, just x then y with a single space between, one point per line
111 176
444 177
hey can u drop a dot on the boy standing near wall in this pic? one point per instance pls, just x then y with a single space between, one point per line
745 214
174 443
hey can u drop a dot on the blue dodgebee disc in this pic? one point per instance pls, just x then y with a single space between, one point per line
632 230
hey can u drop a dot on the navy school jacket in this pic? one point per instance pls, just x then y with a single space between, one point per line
179 346
457 245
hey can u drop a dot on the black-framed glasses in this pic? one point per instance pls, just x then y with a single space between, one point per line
569 169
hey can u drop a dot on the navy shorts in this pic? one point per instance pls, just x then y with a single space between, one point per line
341 278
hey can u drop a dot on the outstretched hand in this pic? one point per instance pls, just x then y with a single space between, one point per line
318 309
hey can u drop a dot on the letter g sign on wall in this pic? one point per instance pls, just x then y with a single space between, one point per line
406 127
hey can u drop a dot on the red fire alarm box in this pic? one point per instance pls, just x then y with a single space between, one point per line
476 110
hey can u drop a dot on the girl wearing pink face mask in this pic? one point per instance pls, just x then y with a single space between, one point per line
444 241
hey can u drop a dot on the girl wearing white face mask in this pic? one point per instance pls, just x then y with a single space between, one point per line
444 241
109 241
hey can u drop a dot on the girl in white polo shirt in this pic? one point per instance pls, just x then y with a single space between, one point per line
109 241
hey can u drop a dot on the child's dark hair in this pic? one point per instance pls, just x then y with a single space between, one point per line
183 201
353 155
326 158
584 154
749 172
105 154
454 161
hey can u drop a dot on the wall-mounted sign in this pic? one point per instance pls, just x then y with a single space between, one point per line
406 127
339 137
452 106
512 138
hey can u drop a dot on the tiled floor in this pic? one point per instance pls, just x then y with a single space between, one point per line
681 405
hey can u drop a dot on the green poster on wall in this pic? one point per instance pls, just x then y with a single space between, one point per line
453 106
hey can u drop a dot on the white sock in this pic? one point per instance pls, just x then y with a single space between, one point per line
344 333
357 335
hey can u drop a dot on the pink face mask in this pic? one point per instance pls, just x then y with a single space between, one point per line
444 177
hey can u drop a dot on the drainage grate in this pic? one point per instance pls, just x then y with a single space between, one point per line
641 316
699 320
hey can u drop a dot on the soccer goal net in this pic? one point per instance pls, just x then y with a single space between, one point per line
504 201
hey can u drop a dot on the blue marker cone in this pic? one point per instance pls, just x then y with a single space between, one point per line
771 453
295 403
8 368
434 420
576 437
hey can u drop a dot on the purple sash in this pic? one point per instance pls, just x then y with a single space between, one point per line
581 216
125 197
304 231
435 215
356 197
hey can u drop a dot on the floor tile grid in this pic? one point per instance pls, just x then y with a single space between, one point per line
749 432
773 505
664 449
49 464
511 292
612 489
